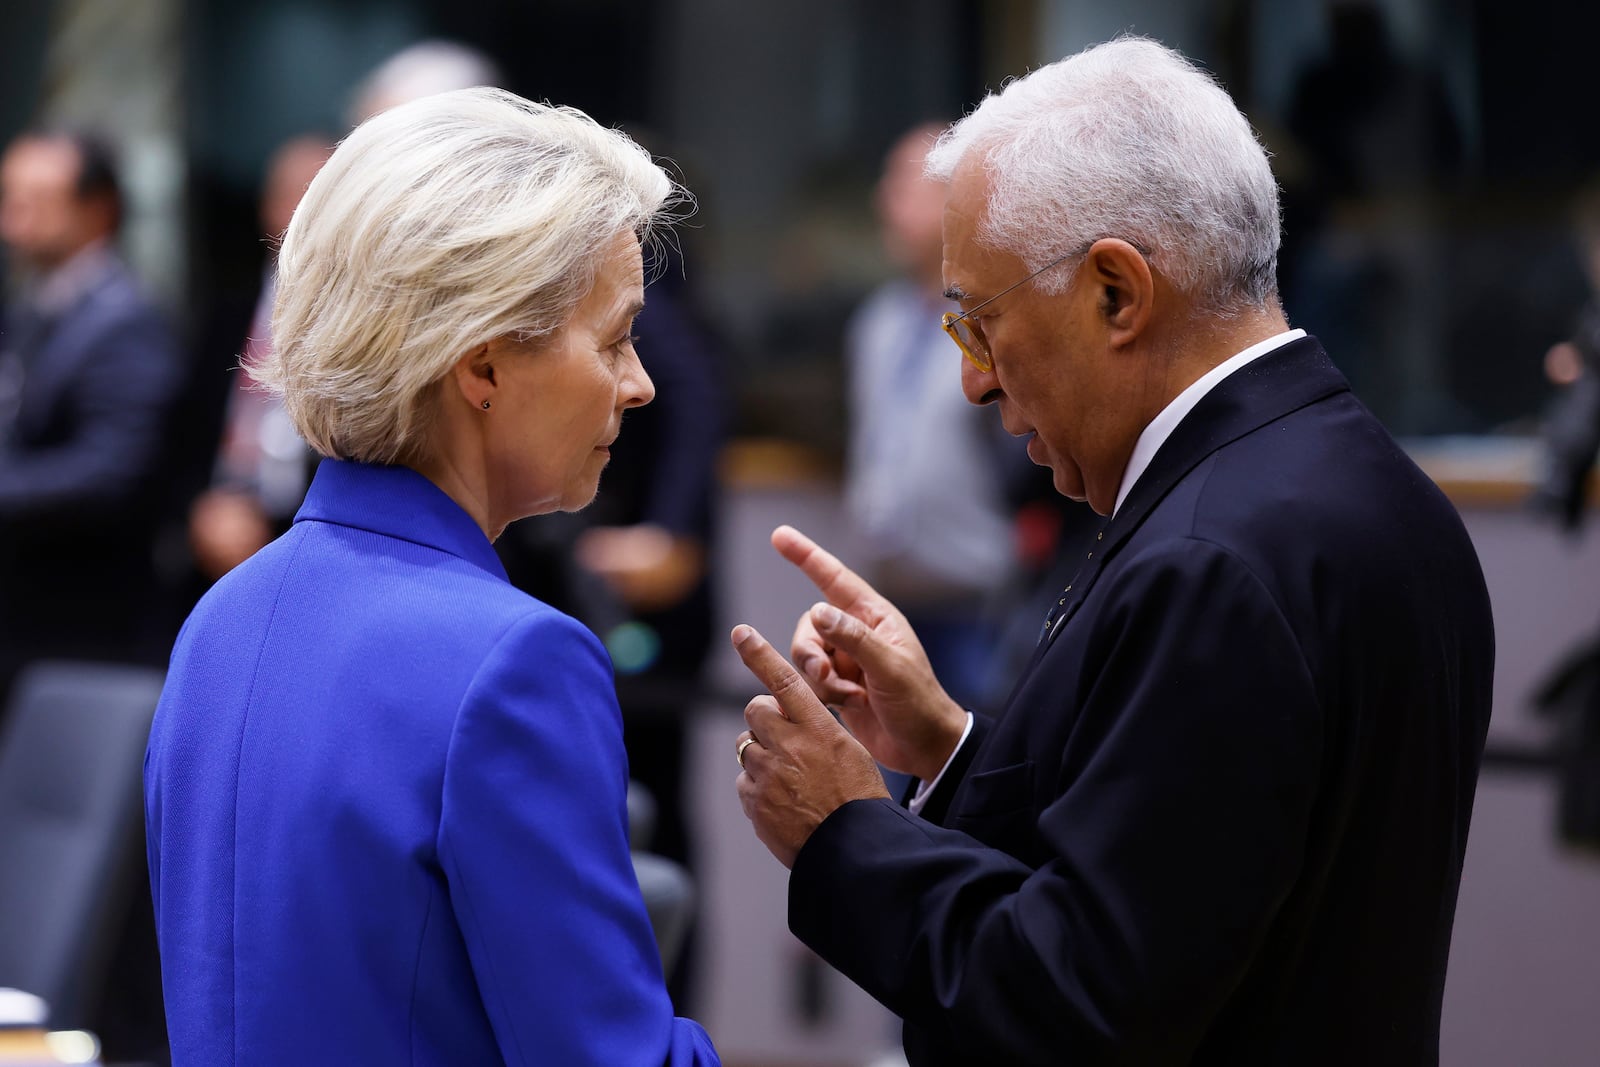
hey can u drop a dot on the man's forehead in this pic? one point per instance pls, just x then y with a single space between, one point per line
970 265
963 209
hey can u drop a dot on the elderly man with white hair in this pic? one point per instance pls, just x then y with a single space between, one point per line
1221 819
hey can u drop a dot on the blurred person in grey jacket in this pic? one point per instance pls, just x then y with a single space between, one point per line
925 478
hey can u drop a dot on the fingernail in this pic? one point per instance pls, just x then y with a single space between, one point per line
809 665
741 633
825 616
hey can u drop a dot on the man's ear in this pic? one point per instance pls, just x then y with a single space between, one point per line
473 376
1126 289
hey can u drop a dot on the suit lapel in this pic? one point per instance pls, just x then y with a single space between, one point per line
1259 393
62 347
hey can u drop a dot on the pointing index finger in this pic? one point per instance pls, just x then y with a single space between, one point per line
799 703
841 586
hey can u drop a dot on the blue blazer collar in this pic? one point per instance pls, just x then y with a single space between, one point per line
396 502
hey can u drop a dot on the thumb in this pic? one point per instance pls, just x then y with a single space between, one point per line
799 703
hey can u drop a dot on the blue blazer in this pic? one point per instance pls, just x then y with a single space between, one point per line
385 801
1222 817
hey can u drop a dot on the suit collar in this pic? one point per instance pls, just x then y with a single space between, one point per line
396 502
1261 392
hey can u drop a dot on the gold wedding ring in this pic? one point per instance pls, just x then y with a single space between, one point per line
746 743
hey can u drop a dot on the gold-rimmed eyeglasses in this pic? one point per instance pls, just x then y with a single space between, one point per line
968 335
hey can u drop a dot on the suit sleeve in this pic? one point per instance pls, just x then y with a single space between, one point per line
122 396
1170 828
533 841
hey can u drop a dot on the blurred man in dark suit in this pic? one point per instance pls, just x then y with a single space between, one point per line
87 368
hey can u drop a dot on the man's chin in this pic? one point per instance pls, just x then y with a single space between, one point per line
1069 483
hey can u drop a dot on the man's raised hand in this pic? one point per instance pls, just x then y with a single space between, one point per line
797 764
859 655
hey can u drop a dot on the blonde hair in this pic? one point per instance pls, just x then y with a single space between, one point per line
437 226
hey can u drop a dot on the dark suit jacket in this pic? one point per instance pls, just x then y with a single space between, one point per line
79 474
1221 819
385 809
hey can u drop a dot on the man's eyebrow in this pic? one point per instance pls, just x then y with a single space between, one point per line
954 292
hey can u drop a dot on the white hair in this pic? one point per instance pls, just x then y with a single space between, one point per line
435 227
1127 139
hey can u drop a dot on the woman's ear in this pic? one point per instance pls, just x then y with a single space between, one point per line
1121 274
474 378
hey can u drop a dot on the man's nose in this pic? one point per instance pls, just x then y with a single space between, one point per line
980 386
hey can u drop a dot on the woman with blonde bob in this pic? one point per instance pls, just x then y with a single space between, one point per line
385 790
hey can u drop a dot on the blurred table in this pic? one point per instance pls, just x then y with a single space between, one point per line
37 1048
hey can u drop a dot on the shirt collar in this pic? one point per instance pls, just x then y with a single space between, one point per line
1160 428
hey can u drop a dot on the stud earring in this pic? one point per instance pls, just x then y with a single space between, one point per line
486 405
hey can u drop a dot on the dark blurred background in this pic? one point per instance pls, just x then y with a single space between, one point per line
1428 149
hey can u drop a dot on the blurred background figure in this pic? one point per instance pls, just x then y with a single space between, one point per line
263 467
1571 432
1381 143
418 70
87 370
1569 694
925 476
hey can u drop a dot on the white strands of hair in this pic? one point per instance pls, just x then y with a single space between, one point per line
1126 139
436 226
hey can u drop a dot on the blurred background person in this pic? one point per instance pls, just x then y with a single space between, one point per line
1571 431
1569 693
417 70
262 467
1382 147
401 834
926 472
87 372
